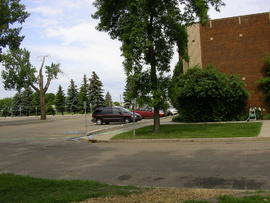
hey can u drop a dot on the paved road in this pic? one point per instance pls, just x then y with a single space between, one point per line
42 149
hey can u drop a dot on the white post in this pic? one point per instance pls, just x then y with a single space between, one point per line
133 107
85 118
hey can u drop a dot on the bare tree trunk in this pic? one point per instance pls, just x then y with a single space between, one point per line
156 120
42 105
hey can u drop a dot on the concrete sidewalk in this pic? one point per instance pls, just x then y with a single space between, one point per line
265 131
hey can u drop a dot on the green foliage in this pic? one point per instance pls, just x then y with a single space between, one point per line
60 100
12 13
265 82
50 110
18 72
5 105
116 104
195 131
266 117
178 70
83 97
50 99
95 91
27 97
22 189
108 99
72 97
209 95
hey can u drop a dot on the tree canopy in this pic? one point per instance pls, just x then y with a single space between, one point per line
12 13
149 30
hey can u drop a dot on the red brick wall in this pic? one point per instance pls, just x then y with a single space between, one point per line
234 54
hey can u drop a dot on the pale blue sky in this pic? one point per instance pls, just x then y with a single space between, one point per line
64 30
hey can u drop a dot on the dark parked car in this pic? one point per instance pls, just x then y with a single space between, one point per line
113 114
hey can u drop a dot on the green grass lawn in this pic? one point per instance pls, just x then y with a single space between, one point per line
23 189
231 199
195 131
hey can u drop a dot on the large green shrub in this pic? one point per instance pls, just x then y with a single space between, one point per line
209 95
265 81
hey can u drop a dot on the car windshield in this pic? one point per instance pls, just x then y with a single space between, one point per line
124 110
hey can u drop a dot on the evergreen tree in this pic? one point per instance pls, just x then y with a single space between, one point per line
83 94
72 97
108 99
26 99
16 104
95 91
36 102
60 100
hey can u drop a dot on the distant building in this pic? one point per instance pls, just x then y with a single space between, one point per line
236 45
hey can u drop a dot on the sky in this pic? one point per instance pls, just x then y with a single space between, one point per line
65 31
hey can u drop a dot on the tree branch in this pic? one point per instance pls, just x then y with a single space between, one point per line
47 84
34 87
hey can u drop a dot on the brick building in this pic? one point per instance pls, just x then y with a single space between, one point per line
236 45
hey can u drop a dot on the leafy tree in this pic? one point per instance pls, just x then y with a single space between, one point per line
108 99
265 82
72 97
20 73
83 97
12 13
209 95
60 100
178 70
95 91
148 31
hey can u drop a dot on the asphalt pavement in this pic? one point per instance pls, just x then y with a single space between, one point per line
44 149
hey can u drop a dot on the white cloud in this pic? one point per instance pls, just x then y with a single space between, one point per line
81 33
46 10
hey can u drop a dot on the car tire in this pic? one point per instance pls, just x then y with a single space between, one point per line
99 121
126 120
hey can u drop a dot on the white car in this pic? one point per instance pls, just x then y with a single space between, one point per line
172 111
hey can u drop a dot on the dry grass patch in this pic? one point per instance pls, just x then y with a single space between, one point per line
172 195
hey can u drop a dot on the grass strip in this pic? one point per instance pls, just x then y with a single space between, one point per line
227 130
23 189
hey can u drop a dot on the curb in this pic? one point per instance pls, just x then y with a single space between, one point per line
186 140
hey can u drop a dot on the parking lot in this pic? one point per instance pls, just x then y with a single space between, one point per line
44 149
